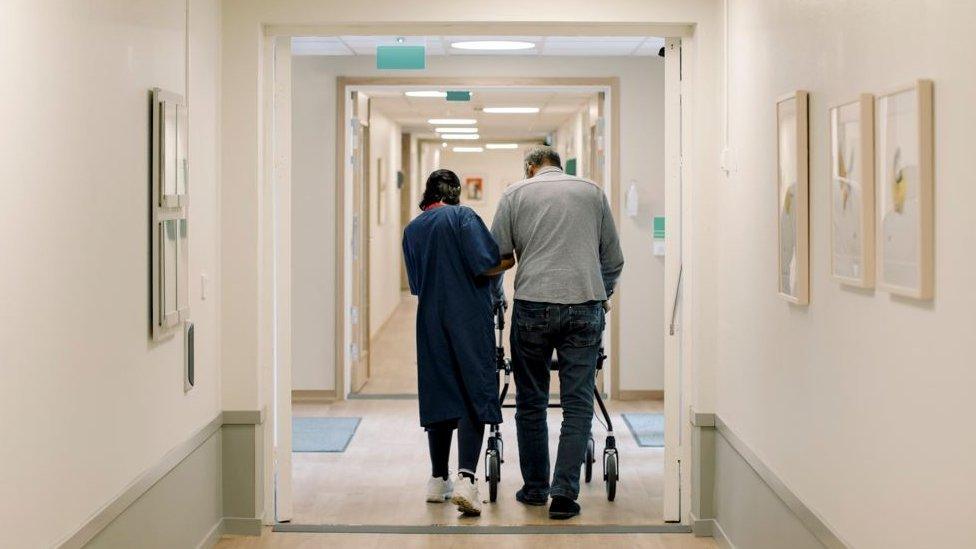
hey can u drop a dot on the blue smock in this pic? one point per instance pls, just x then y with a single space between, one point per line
446 249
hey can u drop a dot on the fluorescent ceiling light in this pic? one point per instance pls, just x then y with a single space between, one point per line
456 130
468 149
492 45
468 136
502 145
426 93
511 110
452 121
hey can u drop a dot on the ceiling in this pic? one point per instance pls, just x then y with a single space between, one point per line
412 113
441 45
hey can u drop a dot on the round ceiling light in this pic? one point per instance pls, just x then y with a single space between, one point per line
493 45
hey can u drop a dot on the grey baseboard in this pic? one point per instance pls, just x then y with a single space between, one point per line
728 473
213 536
721 539
242 526
182 500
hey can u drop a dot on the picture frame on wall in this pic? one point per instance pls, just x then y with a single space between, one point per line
906 191
792 191
852 197
473 189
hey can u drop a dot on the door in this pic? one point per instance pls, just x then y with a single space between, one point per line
673 273
359 311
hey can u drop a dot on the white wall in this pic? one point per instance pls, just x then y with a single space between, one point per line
385 252
499 168
89 401
642 160
859 402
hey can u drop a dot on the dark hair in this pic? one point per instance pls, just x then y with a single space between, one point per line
442 186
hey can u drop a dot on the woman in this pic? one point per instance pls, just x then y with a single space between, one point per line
450 259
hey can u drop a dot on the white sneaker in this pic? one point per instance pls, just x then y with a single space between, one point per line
466 497
439 490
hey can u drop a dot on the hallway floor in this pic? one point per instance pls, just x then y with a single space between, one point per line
380 478
393 353
269 540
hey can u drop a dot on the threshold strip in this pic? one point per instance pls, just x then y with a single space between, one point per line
456 529
382 396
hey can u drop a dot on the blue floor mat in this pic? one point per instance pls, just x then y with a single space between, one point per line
322 434
648 429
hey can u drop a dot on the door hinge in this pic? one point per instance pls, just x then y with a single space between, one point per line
354 314
354 351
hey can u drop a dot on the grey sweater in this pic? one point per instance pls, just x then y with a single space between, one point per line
561 231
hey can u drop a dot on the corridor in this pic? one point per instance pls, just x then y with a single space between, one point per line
202 211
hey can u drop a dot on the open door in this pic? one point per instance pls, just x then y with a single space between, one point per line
673 409
359 309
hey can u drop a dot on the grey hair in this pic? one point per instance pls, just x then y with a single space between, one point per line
541 155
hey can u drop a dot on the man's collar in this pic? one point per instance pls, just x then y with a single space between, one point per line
547 169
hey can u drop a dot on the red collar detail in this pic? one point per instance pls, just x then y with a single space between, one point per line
434 206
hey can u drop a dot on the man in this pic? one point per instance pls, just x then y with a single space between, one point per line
560 229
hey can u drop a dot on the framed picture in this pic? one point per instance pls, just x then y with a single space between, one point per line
792 178
474 189
906 181
852 192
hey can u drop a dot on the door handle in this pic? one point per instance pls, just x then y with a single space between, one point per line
674 302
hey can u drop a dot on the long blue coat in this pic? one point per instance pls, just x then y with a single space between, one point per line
446 249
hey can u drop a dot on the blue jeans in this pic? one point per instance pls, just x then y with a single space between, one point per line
574 332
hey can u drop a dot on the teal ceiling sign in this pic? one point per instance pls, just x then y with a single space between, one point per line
459 96
401 57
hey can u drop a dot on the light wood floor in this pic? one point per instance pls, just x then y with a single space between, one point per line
393 353
380 478
270 540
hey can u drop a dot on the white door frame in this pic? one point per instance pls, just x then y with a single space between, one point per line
276 223
674 438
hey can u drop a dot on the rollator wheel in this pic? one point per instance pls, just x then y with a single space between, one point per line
589 461
610 472
494 468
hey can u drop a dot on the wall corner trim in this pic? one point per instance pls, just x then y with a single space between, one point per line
243 417
104 516
145 482
808 517
701 419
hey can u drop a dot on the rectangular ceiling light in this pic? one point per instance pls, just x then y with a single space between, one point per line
468 136
401 57
452 121
456 130
426 93
468 149
502 145
511 110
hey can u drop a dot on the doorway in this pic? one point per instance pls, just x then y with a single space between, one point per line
588 138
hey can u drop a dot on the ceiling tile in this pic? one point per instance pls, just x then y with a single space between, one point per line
314 45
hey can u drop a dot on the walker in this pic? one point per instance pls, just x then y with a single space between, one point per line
495 453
